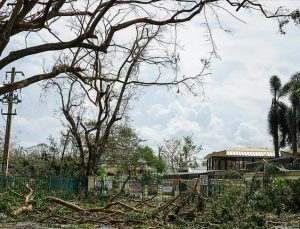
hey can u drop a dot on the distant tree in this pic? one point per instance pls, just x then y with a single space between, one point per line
277 122
122 149
44 159
179 153
125 151
152 160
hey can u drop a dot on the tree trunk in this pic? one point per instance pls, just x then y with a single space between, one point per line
93 162
294 133
275 137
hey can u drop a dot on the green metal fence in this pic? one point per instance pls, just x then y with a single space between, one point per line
65 187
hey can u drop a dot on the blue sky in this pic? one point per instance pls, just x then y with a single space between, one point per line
234 109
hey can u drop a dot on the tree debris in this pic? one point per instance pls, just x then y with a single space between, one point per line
26 207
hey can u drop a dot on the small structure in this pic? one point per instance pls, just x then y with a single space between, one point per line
237 158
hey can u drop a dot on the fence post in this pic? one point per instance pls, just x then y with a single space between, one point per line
49 185
208 187
91 183
159 192
177 187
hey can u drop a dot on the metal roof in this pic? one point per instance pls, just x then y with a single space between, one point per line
198 171
251 153
243 152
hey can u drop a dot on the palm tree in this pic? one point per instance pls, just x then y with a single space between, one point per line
292 89
277 116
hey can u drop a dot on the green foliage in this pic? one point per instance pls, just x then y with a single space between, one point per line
285 193
43 160
153 161
277 121
232 206
292 116
101 172
3 206
261 201
237 208
134 216
126 153
295 190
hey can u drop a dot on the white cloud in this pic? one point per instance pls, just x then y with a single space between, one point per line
237 93
35 128
249 132
157 110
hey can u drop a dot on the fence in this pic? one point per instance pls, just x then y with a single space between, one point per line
169 187
288 163
68 187
65 187
209 187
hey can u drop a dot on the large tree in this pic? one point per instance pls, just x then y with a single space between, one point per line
105 99
99 49
277 122
292 90
77 29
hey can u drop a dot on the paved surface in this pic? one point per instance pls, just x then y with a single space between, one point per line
29 225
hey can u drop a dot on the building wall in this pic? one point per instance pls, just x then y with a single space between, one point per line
229 163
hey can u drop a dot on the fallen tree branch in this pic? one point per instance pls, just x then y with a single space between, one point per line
21 210
144 202
26 207
122 188
121 204
65 203
27 197
99 209
161 208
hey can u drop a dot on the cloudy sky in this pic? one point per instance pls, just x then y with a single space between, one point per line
234 109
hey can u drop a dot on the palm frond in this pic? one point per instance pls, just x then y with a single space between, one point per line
275 84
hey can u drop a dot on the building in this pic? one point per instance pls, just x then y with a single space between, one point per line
237 158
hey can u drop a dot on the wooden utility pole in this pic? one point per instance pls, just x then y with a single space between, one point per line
9 99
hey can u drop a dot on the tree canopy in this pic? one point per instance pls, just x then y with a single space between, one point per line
284 120
81 33
180 153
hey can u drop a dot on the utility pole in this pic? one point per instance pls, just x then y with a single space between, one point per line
9 99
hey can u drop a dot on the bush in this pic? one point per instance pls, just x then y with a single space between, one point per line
229 207
286 194
261 200
295 199
237 208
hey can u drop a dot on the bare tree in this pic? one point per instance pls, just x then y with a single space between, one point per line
92 104
179 153
102 47
81 27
